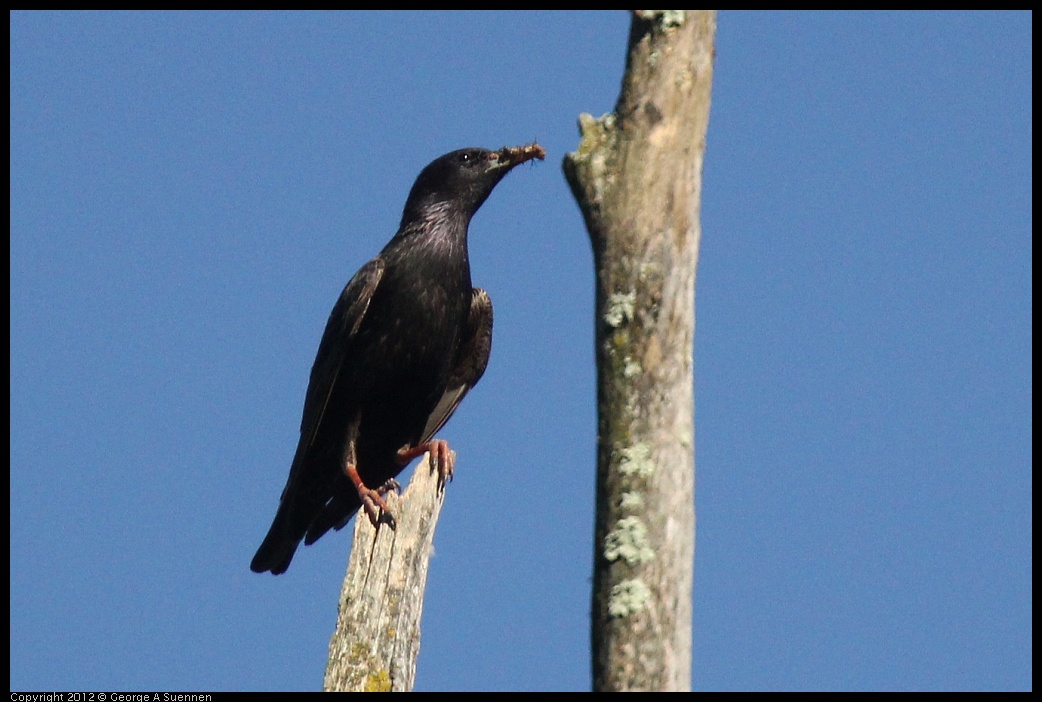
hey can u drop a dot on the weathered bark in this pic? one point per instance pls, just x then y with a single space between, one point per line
377 636
637 178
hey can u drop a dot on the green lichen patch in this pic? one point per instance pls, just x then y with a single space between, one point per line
628 597
629 541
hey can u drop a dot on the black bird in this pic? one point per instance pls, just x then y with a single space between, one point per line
407 339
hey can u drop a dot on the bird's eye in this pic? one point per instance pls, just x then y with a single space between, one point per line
464 157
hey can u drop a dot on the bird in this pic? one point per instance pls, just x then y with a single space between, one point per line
407 339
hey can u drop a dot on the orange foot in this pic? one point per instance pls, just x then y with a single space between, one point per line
441 458
373 500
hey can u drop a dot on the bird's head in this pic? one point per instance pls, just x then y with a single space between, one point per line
460 181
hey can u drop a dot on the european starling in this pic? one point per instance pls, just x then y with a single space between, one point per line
407 339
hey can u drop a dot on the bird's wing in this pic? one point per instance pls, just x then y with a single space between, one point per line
470 364
343 324
298 505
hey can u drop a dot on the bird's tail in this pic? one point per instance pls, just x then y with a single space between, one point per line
278 547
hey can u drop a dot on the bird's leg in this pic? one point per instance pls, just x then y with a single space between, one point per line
442 459
372 500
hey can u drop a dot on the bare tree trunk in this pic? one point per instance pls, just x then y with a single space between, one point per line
637 178
377 636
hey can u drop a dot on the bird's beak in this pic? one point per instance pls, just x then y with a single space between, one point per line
510 156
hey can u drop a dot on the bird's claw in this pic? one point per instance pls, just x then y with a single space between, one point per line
375 505
373 500
441 459
389 485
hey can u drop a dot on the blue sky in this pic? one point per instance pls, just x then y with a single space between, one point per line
190 192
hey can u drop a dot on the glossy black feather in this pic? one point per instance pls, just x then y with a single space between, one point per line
406 340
